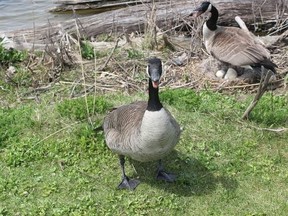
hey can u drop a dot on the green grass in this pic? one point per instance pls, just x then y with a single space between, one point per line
54 163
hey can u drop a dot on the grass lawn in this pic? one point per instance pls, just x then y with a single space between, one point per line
54 163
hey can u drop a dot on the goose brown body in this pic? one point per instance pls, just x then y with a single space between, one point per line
232 45
236 47
130 132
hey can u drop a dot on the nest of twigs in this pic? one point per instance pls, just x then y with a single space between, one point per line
182 68
123 66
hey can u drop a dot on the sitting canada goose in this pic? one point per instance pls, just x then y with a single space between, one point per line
232 45
143 131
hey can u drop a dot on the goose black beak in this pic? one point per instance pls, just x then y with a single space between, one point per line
155 77
196 13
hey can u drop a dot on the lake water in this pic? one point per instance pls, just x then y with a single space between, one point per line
19 14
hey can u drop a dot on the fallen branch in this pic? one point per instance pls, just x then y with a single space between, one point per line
277 130
261 90
221 87
111 53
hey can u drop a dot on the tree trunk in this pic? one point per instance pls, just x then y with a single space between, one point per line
169 13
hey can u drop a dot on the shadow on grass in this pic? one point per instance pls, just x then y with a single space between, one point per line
193 178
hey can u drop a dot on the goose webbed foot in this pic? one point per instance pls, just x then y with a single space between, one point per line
126 183
163 175
168 177
129 184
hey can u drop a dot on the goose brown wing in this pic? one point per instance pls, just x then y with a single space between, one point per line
121 123
237 47
126 116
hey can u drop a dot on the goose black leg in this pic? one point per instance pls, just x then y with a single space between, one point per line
162 175
126 183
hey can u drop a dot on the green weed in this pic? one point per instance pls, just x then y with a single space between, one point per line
88 51
22 77
134 54
11 56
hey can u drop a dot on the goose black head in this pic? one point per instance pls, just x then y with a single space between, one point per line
154 70
204 7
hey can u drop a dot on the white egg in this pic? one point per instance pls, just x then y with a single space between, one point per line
231 74
220 73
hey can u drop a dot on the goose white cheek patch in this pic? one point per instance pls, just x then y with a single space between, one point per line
209 8
147 71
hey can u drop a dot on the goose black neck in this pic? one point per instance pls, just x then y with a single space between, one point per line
154 103
212 21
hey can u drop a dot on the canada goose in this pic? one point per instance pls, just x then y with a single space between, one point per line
143 131
232 45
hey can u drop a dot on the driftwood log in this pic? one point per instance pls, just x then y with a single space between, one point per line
93 6
169 13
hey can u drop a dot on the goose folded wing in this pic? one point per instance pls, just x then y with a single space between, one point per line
238 48
121 123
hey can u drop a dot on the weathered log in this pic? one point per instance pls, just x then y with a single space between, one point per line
169 13
74 2
93 6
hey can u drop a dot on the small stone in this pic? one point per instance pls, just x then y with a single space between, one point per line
180 60
10 73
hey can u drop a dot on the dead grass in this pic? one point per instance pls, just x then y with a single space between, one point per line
121 66
123 69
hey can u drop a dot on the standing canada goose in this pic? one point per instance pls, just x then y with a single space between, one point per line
232 45
143 131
